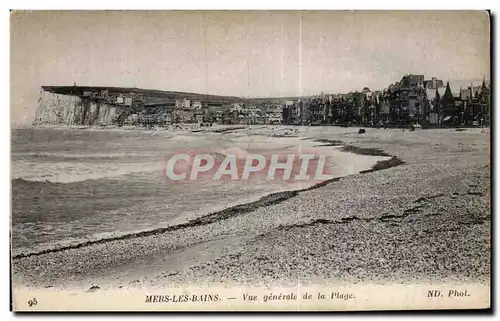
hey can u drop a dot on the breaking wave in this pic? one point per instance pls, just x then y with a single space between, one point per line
68 172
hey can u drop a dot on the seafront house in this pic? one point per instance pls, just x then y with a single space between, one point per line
433 83
410 100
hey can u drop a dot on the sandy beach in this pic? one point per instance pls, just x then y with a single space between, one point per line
427 219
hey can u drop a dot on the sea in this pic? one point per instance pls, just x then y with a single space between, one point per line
73 185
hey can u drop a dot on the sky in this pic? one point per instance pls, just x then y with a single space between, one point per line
241 53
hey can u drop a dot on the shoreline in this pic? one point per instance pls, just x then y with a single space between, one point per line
232 211
216 125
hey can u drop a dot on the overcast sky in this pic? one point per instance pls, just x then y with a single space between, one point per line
245 53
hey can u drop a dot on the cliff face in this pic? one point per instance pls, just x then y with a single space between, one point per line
69 110
88 105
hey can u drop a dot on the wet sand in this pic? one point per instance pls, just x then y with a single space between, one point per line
425 219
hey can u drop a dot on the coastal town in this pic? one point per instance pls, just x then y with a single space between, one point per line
413 100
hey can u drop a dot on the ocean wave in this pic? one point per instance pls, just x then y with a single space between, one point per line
24 182
63 155
68 172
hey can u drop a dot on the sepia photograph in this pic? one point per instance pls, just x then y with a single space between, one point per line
250 160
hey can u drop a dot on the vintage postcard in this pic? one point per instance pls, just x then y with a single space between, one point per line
250 160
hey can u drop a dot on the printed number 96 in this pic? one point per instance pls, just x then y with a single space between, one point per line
32 302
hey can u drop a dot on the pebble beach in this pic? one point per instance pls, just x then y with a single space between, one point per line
423 218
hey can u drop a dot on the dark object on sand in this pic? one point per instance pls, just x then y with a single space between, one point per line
364 151
412 128
362 131
93 288
460 129
392 162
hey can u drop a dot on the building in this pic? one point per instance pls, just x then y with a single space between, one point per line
237 106
447 107
407 99
184 103
197 104
367 92
433 83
